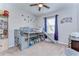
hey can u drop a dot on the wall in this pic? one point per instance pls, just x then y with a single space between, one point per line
78 16
66 28
16 19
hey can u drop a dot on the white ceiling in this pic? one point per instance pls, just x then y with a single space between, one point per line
34 10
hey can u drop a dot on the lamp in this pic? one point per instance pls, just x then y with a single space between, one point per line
40 5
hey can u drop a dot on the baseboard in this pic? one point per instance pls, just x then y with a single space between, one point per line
62 43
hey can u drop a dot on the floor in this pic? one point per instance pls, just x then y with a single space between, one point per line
39 49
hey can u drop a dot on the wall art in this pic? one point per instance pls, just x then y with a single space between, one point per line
66 20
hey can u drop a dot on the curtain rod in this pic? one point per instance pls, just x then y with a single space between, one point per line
51 16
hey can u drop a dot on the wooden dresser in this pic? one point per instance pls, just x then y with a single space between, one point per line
74 43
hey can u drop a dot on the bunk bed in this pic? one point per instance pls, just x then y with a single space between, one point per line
26 37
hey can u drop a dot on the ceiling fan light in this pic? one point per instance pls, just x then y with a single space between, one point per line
40 5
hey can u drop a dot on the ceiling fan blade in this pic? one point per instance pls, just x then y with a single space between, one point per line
33 4
46 6
39 8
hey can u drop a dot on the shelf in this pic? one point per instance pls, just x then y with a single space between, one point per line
3 33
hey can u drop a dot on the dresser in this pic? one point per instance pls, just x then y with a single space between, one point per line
75 45
74 41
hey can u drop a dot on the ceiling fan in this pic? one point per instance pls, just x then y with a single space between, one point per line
40 5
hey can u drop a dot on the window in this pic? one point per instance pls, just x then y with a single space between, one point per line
51 25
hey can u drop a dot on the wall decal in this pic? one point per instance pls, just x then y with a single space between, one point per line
27 19
28 16
66 20
24 19
30 19
22 15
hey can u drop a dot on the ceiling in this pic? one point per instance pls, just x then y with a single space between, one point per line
34 10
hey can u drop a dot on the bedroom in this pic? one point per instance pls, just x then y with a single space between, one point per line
22 15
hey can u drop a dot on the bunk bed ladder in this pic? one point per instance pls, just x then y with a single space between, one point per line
49 37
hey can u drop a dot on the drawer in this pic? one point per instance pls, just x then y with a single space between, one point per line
75 45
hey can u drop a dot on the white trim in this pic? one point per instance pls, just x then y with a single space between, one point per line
62 43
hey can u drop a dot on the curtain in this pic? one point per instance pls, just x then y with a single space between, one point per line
45 25
56 28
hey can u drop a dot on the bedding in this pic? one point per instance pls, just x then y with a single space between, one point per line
71 52
75 34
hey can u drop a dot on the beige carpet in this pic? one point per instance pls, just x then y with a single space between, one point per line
39 49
